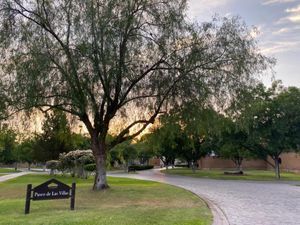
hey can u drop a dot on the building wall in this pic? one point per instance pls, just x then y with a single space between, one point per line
155 162
219 163
290 162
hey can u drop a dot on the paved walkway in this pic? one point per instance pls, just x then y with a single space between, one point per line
241 202
13 175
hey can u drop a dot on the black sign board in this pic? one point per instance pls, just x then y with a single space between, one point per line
51 189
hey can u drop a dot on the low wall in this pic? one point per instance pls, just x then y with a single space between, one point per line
289 162
219 163
155 162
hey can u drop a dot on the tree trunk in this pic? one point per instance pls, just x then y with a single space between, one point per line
239 166
126 167
100 182
277 168
193 168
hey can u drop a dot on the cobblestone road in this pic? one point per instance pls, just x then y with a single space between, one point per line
242 202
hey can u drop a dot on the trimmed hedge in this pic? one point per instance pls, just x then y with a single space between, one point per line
140 167
90 167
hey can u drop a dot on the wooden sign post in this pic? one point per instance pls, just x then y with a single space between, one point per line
51 189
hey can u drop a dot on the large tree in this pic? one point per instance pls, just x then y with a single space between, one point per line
273 124
95 59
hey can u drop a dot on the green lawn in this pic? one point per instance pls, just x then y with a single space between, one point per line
8 170
259 175
128 201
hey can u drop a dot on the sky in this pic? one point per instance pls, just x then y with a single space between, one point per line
278 23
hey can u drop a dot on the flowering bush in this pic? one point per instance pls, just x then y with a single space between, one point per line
74 162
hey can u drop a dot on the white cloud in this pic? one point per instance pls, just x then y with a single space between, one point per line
293 16
269 2
287 30
281 31
205 8
293 10
280 46
289 19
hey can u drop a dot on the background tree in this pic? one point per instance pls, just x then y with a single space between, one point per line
274 124
80 141
55 138
129 154
144 153
24 151
200 123
231 144
163 141
8 146
96 59
115 157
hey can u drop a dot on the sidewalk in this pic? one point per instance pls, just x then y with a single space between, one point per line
13 175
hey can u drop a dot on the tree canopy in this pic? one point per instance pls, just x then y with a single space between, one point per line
96 59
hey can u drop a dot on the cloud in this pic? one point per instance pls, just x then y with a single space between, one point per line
293 10
292 31
289 19
270 2
205 8
281 31
280 46
208 3
293 16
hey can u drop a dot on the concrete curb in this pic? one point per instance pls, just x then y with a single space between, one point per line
219 217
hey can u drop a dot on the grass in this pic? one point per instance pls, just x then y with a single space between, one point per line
255 175
127 202
8 170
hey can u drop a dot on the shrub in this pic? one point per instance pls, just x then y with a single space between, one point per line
74 162
90 167
140 167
